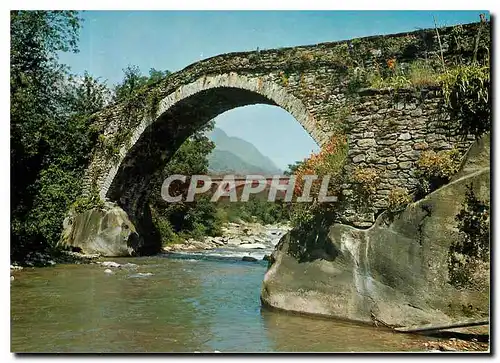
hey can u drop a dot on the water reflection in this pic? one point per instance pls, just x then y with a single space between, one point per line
297 333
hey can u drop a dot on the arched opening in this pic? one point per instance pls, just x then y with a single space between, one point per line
272 130
180 114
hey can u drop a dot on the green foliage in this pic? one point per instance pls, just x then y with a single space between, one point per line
195 219
423 73
84 203
89 95
52 131
469 256
285 79
436 169
366 180
134 82
419 73
398 199
330 162
292 168
466 91
303 213
256 210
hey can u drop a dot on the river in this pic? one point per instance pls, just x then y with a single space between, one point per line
190 303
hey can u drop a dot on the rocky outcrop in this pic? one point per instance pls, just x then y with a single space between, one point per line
105 231
395 272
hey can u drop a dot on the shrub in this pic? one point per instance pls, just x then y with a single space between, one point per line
436 169
284 79
167 234
329 161
466 91
367 179
421 74
398 199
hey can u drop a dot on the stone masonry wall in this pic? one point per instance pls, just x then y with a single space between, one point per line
389 135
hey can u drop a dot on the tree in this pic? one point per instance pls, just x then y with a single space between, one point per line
88 95
133 80
197 218
52 133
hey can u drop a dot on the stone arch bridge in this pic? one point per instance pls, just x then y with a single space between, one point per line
320 85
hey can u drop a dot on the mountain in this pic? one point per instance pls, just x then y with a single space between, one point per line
232 154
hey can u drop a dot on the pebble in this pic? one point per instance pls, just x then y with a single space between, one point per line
108 271
110 264
141 274
249 259
12 278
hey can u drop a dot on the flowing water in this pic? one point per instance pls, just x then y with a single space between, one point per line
192 303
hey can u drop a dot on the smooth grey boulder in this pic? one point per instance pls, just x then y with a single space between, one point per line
395 272
107 231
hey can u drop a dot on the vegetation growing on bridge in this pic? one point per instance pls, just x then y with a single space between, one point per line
436 169
329 161
398 199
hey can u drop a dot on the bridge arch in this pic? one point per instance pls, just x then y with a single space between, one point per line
128 178
182 112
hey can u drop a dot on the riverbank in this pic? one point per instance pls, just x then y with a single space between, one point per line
251 240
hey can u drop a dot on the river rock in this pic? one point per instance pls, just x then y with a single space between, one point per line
142 274
253 246
108 271
110 264
15 267
234 242
200 245
106 231
395 271
12 278
249 259
215 240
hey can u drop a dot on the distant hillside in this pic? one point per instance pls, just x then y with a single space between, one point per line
232 154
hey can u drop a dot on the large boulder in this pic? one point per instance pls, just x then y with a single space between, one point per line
106 231
396 272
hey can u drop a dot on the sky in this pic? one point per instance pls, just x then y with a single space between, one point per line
171 40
